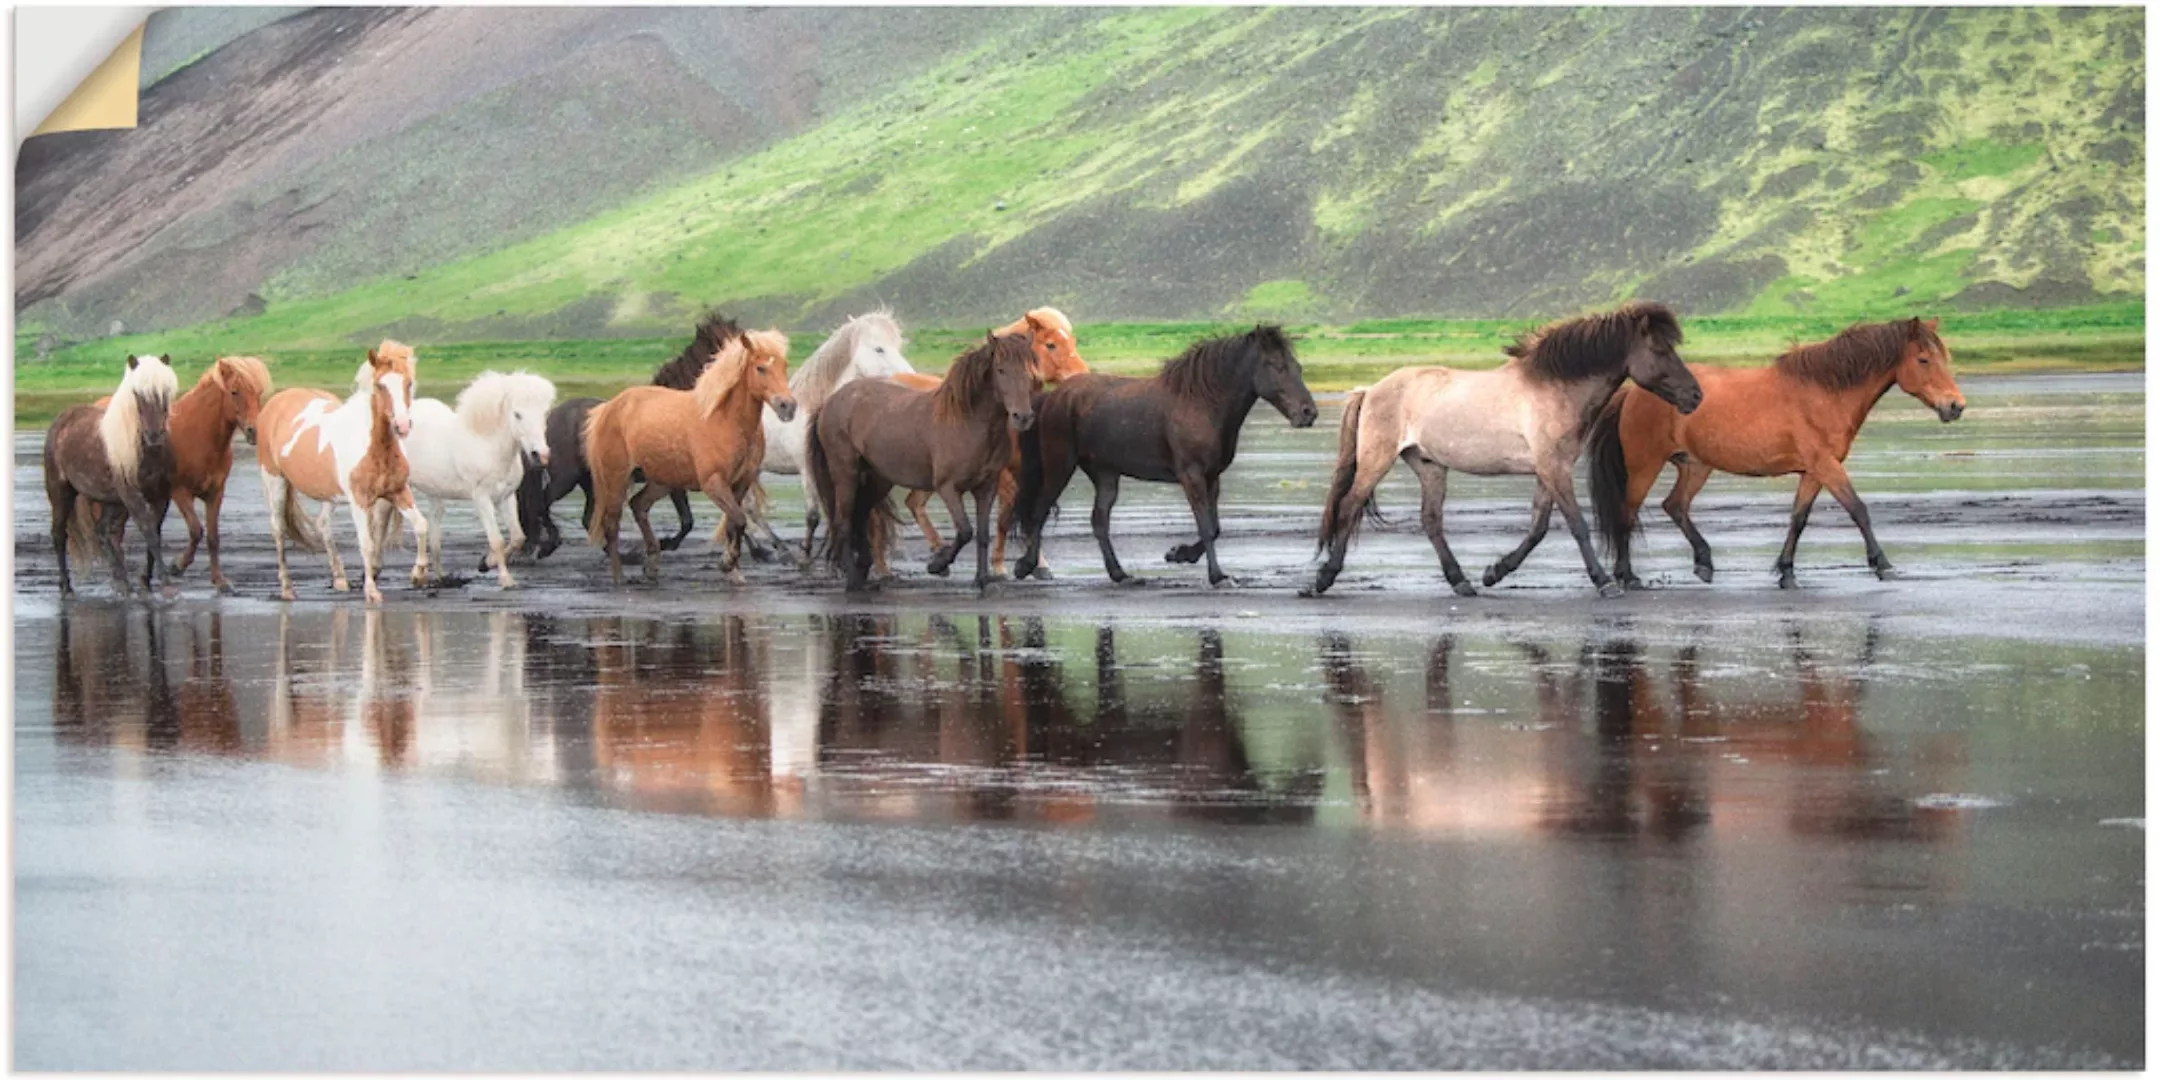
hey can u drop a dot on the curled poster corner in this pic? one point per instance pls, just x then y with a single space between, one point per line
106 99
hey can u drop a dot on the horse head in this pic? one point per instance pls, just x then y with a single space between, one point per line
1924 370
765 371
1279 379
1653 358
1055 355
246 382
390 375
1012 371
876 353
150 380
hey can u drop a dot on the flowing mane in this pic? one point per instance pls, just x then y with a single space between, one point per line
713 331
1861 352
484 405
720 377
972 376
1206 370
397 353
821 373
1591 345
148 381
237 373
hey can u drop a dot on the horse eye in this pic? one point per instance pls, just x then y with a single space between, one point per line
1053 346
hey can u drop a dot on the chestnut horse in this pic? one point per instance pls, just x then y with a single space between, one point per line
1056 358
312 444
710 438
1179 427
873 436
1529 415
118 456
201 426
1799 415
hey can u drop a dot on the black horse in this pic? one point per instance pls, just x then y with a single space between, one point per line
1181 427
546 485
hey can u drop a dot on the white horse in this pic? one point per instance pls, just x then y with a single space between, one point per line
865 347
479 453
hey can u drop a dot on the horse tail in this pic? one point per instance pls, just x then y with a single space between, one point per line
82 539
299 528
821 481
1609 476
1030 489
1346 465
610 468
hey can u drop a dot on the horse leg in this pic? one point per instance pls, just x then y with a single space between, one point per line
681 499
184 501
1803 504
113 524
149 518
1840 486
1540 517
62 497
323 520
811 513
918 504
963 532
734 525
984 497
1197 491
1106 485
1008 492
1679 504
213 505
1432 484
274 492
1374 455
371 549
513 526
1191 553
641 509
1563 489
498 549
860 501
423 536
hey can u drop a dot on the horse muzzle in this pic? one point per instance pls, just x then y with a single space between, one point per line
535 459
249 431
784 408
1305 415
1021 421
1685 402
402 427
1950 410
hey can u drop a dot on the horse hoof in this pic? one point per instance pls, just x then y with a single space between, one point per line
1224 582
1184 553
1612 590
1493 576
286 594
1042 573
1703 571
1886 572
940 569
1786 581
545 550
1464 588
341 585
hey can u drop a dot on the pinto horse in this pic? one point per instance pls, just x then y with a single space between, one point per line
312 444
119 457
1179 427
709 438
874 436
1799 415
566 471
1529 415
1056 358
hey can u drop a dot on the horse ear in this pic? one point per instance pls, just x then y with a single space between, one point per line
372 359
131 361
1914 330
1933 325
166 359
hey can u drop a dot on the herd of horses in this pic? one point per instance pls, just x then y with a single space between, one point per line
1006 426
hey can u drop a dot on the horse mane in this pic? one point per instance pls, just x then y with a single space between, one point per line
1589 346
120 428
973 375
400 356
1049 315
713 331
815 380
1858 354
721 376
1203 371
248 372
485 403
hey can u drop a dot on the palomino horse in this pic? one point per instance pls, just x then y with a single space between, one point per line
478 452
567 471
330 451
1799 415
1179 427
1057 358
1529 415
867 346
874 436
119 457
203 420
708 438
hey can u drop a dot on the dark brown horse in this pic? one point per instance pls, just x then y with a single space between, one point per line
873 435
1179 427
118 457
567 471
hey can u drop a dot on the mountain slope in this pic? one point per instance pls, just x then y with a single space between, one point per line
1340 163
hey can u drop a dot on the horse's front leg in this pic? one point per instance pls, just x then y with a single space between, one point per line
371 547
112 525
1191 553
1803 504
1679 506
963 531
423 537
149 520
1106 486
1432 502
1540 518
1563 489
213 505
734 525
498 550
918 504
984 497
1197 491
184 501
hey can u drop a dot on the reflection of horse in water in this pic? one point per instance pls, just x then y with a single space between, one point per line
679 716
114 681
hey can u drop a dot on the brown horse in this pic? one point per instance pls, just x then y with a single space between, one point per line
874 435
1527 416
118 456
1799 415
347 451
710 438
225 400
1056 359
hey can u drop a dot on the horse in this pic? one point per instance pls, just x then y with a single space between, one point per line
874 436
1056 358
312 444
1799 415
543 487
478 452
1528 416
709 438
1179 426
867 346
119 456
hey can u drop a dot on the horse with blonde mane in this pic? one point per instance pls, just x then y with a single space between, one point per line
348 452
867 346
709 438
118 456
479 452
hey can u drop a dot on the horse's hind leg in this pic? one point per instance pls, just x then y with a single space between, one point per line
1432 482
963 532
62 498
1106 485
1679 506
1563 489
641 509
681 499
1803 504
1541 507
